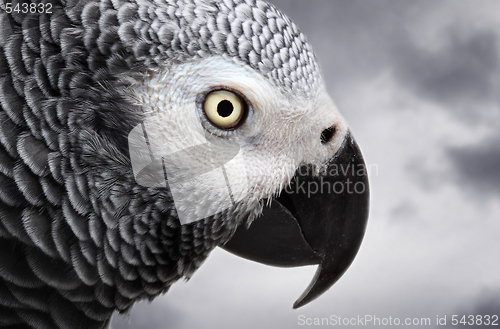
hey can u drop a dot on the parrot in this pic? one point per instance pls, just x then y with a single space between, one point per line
136 136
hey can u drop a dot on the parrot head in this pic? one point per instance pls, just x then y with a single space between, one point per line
241 129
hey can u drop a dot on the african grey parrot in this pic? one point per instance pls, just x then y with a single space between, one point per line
138 135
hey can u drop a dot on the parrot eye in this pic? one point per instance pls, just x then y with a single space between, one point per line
224 108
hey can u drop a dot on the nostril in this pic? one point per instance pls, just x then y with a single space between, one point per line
327 135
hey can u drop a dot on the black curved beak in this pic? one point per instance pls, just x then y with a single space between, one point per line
318 219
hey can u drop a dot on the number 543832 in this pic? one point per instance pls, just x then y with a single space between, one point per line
475 320
28 8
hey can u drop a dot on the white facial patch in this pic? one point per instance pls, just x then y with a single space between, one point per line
209 170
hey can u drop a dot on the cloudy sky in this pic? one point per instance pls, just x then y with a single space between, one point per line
419 83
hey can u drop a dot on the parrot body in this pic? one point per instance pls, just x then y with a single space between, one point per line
80 238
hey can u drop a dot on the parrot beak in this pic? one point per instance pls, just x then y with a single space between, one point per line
318 219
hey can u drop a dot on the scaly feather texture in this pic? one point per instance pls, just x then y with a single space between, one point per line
79 238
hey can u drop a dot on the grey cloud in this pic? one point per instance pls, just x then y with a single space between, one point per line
478 166
404 210
486 305
146 315
462 76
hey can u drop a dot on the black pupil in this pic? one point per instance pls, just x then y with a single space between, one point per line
225 108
